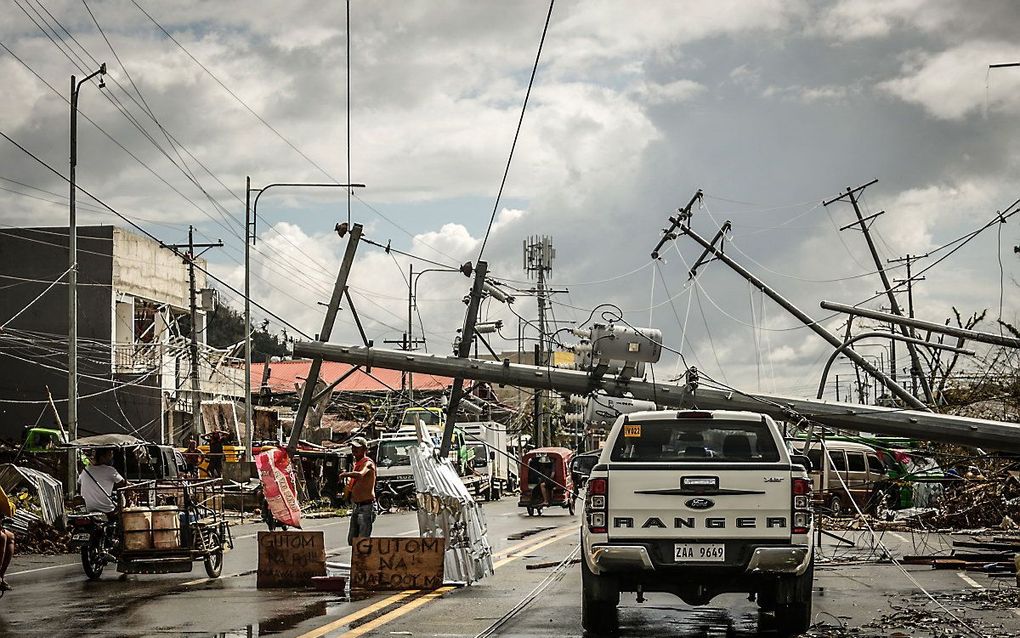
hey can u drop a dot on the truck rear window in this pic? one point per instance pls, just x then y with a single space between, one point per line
695 440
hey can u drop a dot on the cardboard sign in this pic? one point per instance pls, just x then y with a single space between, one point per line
290 559
632 430
393 564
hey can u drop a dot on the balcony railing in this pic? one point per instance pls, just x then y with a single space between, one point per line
137 357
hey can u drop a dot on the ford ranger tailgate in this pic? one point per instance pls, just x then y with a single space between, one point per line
698 478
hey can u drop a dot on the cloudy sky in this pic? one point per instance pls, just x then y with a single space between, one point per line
769 106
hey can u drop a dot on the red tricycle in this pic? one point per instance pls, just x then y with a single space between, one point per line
546 480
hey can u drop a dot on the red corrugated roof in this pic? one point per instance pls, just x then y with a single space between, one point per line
284 374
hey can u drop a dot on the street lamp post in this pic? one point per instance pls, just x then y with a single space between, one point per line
72 275
412 303
250 216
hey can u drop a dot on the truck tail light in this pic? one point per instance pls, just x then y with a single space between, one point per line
596 506
801 497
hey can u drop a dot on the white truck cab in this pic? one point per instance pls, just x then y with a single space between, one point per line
698 503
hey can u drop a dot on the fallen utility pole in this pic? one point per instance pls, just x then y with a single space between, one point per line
928 426
916 372
339 288
893 387
929 326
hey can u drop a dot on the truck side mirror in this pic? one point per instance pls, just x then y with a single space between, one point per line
800 459
492 455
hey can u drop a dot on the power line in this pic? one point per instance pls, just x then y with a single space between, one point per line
520 122
147 233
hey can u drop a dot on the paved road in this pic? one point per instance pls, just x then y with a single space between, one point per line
52 596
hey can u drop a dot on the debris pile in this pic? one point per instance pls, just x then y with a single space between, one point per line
977 504
917 617
33 536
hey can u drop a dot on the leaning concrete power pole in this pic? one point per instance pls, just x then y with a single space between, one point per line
339 289
916 371
463 351
892 421
680 223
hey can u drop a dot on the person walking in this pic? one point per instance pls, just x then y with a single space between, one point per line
193 457
362 491
216 441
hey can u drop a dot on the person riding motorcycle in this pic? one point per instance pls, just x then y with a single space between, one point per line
96 484
98 481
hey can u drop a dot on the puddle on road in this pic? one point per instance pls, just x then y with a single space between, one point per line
698 622
516 536
285 622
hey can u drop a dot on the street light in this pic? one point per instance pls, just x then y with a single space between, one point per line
72 275
412 303
250 215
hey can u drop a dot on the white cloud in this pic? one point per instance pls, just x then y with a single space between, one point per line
956 82
811 94
671 93
850 20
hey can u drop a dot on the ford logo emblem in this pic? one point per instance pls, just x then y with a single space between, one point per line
700 503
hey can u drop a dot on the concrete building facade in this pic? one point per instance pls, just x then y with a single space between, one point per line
134 362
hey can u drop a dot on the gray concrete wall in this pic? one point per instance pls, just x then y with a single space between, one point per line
143 269
30 258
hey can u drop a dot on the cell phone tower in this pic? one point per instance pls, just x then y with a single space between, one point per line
538 257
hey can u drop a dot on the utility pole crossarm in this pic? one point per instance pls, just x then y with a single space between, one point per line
850 192
701 260
677 220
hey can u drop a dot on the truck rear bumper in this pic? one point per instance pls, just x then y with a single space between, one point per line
611 558
792 560
787 560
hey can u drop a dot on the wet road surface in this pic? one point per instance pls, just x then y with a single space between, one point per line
52 597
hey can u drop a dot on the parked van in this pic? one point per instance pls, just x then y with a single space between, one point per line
861 469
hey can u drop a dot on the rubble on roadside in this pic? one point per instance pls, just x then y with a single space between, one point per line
37 537
915 616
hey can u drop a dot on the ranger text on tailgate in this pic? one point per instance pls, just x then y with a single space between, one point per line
698 503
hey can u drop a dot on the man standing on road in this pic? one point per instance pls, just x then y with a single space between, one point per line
362 491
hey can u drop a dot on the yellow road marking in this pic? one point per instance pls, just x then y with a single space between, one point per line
397 613
358 615
515 548
512 553
516 555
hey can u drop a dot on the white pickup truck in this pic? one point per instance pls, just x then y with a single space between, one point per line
697 504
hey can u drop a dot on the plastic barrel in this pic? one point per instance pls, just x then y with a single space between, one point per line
166 527
137 523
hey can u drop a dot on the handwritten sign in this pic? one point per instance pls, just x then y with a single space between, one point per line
387 564
290 559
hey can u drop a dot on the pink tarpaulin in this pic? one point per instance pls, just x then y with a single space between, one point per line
278 486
